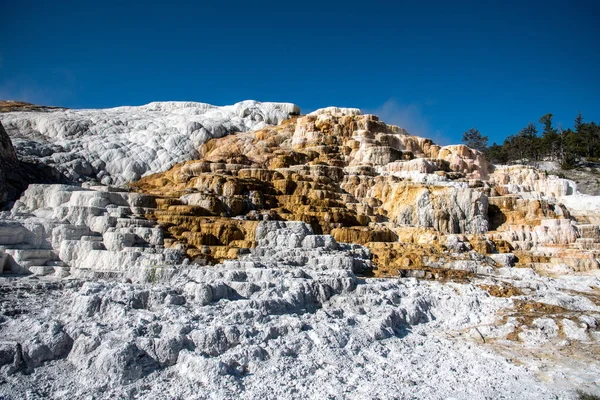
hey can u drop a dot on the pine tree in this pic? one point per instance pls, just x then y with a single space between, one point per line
496 154
528 142
578 122
550 138
475 140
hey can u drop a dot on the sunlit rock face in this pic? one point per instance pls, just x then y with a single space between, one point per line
343 173
119 145
246 271
334 169
285 319
63 230
519 179
353 176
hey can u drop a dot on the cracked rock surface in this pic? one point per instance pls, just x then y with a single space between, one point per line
290 319
119 145
328 256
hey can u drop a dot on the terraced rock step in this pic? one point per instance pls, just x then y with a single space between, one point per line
118 145
263 258
293 301
366 182
63 230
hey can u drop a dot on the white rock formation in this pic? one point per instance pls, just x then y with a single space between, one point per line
119 145
339 111
69 230
584 206
290 320
520 179
109 312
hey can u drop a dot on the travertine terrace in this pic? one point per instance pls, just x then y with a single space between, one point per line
194 251
362 181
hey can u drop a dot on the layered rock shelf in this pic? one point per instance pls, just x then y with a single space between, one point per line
247 251
118 145
354 177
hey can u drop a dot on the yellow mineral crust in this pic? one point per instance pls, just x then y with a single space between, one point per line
365 182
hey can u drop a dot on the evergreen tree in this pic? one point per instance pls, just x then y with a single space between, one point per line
550 138
514 147
528 143
564 145
474 139
496 154
578 122
588 140
576 139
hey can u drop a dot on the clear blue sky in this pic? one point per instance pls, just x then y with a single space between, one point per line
434 67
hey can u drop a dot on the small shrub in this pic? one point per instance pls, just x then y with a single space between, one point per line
154 272
152 275
567 165
569 162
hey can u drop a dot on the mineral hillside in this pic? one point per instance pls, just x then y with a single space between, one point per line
184 250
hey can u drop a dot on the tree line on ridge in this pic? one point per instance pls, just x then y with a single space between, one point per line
553 143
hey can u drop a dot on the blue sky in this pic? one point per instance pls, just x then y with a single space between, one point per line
434 67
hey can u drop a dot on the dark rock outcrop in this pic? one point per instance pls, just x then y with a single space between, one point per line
16 175
8 163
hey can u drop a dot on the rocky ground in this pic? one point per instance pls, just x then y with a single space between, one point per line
293 320
586 174
320 256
